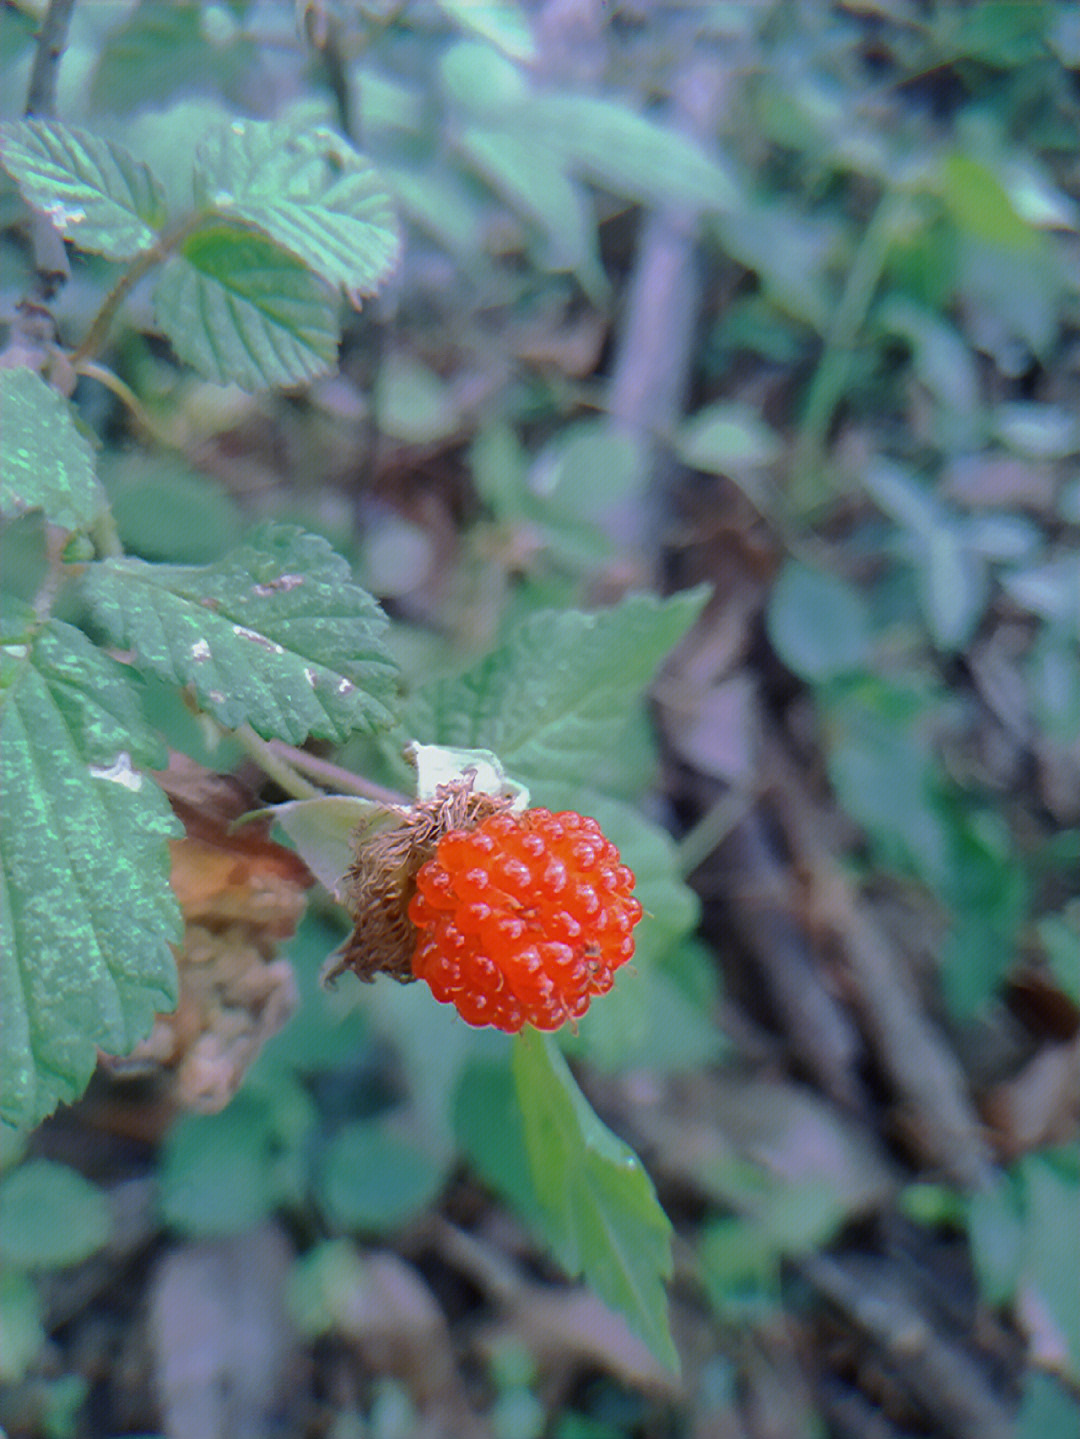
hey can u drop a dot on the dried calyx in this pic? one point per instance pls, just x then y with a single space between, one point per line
381 881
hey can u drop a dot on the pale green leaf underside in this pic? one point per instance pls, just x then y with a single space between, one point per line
499 21
275 634
242 311
310 192
601 1212
45 463
560 691
86 912
95 193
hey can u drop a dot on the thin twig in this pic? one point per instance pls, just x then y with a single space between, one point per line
334 776
50 258
275 766
164 246
838 354
92 370
709 832
96 335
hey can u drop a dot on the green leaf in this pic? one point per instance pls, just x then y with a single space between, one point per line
241 310
166 511
500 21
413 403
628 154
310 192
20 1325
561 690
532 178
162 48
371 1179
490 1132
727 436
222 1173
50 1216
601 1213
45 463
817 623
86 911
275 634
95 193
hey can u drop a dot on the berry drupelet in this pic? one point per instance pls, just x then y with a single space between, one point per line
522 919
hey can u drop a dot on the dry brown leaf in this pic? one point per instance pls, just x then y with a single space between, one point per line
241 894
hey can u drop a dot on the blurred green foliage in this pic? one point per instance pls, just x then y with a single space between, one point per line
891 210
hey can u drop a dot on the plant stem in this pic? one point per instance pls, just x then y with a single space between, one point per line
162 248
275 766
51 266
834 367
127 396
334 775
711 830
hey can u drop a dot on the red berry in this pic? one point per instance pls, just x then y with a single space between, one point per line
523 919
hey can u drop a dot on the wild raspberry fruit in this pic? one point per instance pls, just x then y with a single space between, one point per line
523 918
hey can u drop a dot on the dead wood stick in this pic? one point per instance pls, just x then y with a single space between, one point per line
912 1050
823 1039
939 1373
653 360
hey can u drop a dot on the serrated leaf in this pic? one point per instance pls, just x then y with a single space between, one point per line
95 193
601 1213
560 691
45 463
50 1216
243 311
310 192
275 634
86 911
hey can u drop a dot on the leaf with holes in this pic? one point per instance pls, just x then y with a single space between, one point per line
86 912
243 311
96 194
275 634
45 463
308 191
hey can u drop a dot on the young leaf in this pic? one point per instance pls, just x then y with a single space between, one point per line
95 193
560 691
50 1216
45 463
310 192
601 1213
86 911
274 634
243 311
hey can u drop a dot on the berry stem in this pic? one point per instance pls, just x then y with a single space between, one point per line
333 775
